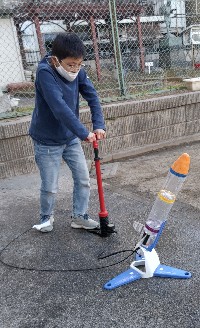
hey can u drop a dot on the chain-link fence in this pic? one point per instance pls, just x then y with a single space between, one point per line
133 48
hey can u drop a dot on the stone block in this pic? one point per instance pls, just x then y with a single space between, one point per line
14 148
192 127
14 128
17 167
192 84
5 105
192 112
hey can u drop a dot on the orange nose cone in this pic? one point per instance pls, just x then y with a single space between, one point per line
182 164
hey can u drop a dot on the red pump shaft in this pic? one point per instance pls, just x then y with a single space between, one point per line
103 212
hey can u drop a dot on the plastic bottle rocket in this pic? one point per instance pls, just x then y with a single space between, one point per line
164 201
146 255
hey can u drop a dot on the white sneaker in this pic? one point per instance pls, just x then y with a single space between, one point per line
46 226
84 222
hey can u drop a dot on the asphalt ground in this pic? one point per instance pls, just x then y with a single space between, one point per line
56 280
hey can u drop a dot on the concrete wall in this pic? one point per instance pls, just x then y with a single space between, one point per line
132 128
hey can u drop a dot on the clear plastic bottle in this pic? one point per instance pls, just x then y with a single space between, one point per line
159 213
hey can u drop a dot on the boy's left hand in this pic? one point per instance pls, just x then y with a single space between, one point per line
100 133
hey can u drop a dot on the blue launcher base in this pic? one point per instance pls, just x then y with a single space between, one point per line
131 275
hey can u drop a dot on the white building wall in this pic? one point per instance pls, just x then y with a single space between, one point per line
29 36
157 5
10 58
178 19
30 40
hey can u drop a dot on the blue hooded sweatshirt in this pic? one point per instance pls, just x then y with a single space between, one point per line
55 119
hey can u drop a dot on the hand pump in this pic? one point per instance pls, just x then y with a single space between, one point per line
106 228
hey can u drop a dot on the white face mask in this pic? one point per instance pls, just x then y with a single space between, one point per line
69 76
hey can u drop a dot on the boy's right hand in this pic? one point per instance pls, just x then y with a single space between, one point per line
91 137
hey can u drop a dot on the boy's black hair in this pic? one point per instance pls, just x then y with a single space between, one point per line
68 45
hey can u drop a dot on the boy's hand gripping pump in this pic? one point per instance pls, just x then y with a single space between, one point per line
106 228
146 255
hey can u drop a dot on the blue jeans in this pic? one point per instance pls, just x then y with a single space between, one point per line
48 160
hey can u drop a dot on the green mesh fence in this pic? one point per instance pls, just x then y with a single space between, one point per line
134 49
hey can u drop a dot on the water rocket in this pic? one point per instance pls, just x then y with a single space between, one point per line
165 199
146 255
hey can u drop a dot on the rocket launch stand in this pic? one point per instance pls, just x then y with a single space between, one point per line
152 267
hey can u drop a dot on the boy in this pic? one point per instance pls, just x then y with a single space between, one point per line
56 129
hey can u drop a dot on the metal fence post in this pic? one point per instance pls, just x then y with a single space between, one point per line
39 36
96 49
116 43
142 60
